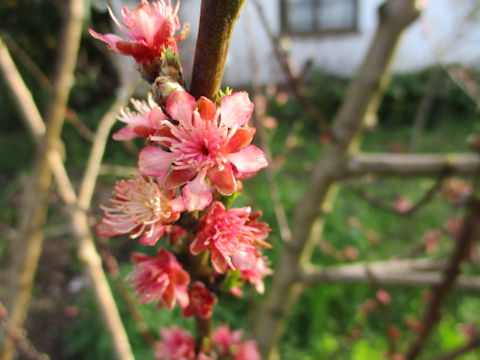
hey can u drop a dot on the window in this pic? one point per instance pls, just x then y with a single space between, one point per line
318 16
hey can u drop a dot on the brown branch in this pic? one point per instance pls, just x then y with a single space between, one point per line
412 164
34 214
421 272
258 116
470 230
19 337
471 345
217 20
380 204
361 100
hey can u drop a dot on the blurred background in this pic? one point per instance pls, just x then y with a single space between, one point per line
430 106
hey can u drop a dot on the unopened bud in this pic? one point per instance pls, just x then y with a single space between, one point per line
162 87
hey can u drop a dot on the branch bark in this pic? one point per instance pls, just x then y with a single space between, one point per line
412 164
361 100
418 272
470 231
217 20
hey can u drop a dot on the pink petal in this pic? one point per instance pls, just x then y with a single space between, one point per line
181 294
153 161
197 194
236 109
110 39
177 178
240 139
151 239
107 230
206 108
197 246
248 160
125 134
219 262
244 260
177 205
133 48
223 180
180 105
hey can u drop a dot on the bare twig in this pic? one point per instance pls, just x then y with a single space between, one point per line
471 345
470 230
135 314
19 337
27 62
412 164
23 98
87 252
379 203
34 214
294 81
259 114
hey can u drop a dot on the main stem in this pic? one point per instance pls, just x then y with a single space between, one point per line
217 20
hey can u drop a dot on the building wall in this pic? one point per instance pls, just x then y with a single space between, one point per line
442 34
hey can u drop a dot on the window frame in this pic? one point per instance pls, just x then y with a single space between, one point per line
286 30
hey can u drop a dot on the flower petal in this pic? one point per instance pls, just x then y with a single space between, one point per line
152 238
177 178
236 109
177 205
180 105
106 230
197 246
240 139
125 134
223 180
197 194
248 160
206 108
110 39
153 161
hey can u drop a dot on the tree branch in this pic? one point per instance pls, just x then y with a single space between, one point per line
421 272
412 164
471 345
217 20
470 231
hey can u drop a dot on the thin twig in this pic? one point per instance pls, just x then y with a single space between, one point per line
258 116
19 337
380 204
34 214
471 345
294 81
112 267
469 232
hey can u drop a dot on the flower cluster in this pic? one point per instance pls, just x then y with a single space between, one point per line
178 344
197 152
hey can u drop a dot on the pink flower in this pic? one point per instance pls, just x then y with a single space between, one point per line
201 301
150 30
143 122
176 344
256 274
223 339
231 237
140 207
161 279
247 351
206 143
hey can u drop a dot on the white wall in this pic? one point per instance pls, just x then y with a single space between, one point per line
441 33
